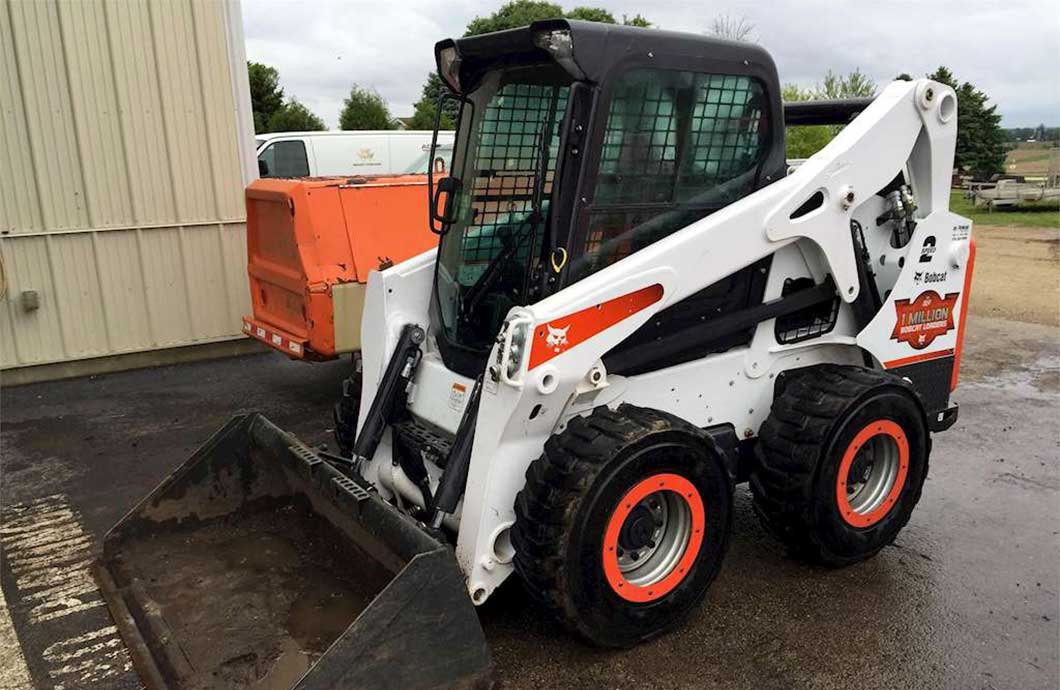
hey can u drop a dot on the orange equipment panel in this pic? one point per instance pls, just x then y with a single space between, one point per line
310 240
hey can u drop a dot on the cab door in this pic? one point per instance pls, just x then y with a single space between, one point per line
676 145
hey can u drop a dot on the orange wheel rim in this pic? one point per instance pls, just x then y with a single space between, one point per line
672 556
872 473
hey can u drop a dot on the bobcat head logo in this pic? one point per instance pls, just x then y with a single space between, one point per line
366 154
557 338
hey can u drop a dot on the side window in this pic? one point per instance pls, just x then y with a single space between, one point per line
284 159
677 147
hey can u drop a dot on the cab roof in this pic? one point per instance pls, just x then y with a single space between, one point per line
597 48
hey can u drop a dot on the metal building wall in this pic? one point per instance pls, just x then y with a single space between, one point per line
121 176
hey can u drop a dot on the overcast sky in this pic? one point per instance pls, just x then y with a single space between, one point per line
1009 49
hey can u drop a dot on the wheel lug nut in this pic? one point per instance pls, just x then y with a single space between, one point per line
634 555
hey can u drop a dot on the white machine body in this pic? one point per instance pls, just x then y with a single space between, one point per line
547 362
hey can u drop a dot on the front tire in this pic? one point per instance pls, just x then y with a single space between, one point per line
345 412
842 463
623 523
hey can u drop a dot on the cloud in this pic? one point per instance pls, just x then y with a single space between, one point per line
1010 50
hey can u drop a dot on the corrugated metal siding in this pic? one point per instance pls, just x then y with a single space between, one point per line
121 202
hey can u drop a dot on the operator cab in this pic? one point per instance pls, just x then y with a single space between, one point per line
579 143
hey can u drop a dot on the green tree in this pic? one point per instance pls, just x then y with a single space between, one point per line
853 85
514 14
295 117
423 118
435 87
592 14
522 12
732 28
980 139
365 109
803 142
945 76
266 96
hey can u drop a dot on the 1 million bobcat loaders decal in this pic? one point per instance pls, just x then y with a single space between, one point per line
923 319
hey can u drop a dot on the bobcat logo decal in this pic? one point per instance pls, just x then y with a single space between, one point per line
560 335
557 338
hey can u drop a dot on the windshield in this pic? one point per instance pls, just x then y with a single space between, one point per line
442 155
506 159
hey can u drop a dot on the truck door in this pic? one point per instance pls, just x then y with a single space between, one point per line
284 158
356 154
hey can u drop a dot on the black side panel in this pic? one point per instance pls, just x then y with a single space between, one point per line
931 379
740 290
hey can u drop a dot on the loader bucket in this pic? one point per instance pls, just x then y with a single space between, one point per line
257 565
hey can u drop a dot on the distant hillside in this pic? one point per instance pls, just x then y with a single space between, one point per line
1039 133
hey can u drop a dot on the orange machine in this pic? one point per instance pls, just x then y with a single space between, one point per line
310 246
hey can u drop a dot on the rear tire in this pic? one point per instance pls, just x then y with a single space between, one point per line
623 523
842 463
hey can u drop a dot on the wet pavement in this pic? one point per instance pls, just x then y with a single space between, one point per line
966 598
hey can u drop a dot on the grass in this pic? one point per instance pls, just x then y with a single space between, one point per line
1029 159
1032 156
1027 215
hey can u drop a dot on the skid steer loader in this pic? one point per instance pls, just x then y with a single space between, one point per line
633 307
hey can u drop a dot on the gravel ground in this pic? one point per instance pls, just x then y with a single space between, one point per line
966 598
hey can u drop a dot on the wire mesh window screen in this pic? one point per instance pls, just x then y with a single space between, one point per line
811 322
725 133
677 146
507 168
637 163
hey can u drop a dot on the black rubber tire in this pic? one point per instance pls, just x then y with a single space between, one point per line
345 412
810 426
569 496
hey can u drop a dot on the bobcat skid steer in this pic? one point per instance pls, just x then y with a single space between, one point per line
634 305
